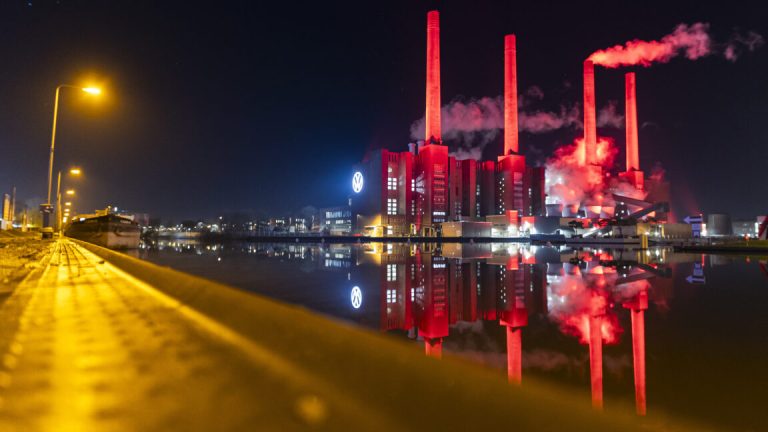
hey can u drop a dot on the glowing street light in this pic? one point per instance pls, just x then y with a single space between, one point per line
68 204
71 192
47 206
75 171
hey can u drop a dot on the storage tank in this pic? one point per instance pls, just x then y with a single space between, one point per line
719 224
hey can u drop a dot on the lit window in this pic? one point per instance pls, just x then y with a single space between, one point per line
391 272
391 206
391 296
391 183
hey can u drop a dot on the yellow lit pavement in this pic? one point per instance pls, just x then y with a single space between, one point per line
84 346
93 349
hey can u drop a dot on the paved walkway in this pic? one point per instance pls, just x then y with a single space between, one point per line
84 346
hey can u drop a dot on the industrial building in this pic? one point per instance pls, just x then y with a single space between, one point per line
414 192
425 191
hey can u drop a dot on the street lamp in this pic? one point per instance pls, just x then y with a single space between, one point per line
89 90
71 192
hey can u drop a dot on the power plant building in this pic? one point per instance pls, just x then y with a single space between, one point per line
413 192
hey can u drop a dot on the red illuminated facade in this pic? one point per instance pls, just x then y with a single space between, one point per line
412 193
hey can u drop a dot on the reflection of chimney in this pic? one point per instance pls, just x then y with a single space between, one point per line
596 360
637 307
514 354
433 134
433 347
511 143
590 120
633 158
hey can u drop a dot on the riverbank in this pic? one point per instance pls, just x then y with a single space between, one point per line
755 247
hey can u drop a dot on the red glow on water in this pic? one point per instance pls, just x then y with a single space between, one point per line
580 302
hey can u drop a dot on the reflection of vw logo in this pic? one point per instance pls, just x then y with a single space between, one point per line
356 297
357 182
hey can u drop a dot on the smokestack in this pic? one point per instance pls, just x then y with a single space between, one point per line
633 157
590 122
433 134
511 142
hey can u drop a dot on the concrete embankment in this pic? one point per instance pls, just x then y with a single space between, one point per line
752 247
97 340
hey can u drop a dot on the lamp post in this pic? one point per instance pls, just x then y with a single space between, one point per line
73 172
46 208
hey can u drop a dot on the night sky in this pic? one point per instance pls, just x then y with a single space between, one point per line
263 107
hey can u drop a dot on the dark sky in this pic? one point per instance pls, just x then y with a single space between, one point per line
265 106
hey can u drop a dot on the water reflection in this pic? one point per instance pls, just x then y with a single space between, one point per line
427 290
563 304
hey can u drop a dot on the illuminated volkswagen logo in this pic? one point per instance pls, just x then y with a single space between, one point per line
357 182
356 297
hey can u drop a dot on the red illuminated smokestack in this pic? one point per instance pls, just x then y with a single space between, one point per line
633 158
433 134
511 143
590 121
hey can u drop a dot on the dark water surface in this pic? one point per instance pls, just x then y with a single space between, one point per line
682 334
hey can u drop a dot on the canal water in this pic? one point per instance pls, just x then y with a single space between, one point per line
665 333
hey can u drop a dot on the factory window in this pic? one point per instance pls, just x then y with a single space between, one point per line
391 206
391 183
390 231
391 296
391 272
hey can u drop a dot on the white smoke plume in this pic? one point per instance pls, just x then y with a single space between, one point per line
609 117
472 124
691 41
739 43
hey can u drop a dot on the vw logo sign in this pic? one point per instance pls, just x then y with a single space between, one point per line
357 182
356 297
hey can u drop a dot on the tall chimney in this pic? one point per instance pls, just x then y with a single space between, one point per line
633 157
511 141
590 123
433 134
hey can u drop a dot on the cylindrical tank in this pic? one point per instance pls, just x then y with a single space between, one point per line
554 210
719 224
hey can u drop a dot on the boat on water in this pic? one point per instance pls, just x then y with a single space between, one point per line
108 230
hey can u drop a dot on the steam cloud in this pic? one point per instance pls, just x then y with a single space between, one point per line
739 43
692 41
475 123
571 182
